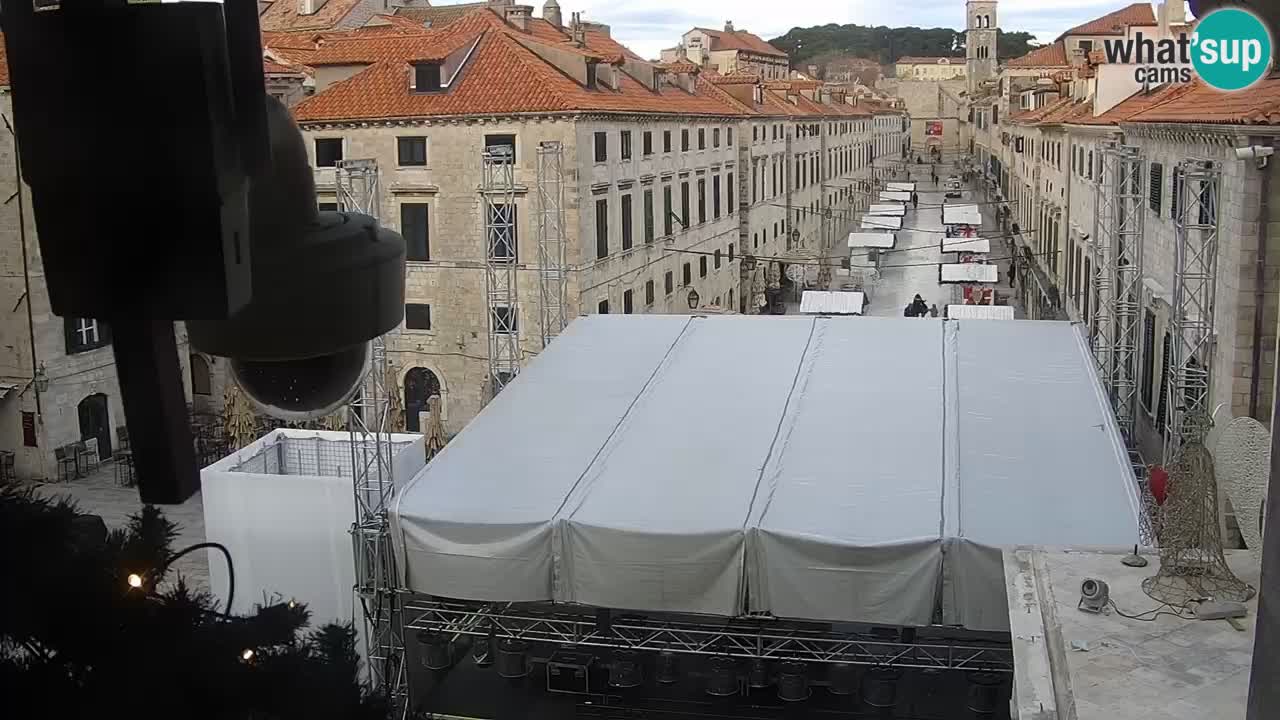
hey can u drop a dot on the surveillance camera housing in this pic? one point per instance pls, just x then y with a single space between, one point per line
324 285
1254 152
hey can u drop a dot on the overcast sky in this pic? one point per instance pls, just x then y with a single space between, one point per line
648 26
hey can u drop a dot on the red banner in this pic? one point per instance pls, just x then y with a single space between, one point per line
933 127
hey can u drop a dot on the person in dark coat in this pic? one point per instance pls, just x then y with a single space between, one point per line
915 201
919 308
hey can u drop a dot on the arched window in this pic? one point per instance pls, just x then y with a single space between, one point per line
419 385
200 383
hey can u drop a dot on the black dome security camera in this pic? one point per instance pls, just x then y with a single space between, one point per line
324 285
207 216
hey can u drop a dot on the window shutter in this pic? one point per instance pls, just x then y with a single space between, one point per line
1155 187
69 329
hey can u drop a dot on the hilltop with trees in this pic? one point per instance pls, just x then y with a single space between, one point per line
885 45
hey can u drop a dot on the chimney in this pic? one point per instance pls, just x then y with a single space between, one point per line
576 31
518 16
310 7
551 13
813 72
728 26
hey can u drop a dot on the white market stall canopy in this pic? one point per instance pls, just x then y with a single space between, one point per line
968 273
961 215
889 209
877 222
895 197
979 312
822 302
882 240
966 245
907 187
848 485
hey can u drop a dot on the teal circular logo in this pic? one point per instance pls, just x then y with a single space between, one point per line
1231 49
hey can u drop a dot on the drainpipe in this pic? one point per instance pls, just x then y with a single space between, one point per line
1259 294
26 266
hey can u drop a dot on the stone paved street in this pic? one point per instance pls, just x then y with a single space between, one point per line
100 494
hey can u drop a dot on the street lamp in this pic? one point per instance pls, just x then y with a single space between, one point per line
41 380
694 299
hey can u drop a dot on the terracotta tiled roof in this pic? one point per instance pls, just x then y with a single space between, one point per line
283 16
1199 103
438 17
740 40
738 78
1053 55
909 60
1134 105
392 23
274 68
1116 22
501 77
4 65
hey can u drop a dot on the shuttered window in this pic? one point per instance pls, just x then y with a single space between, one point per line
1148 352
1155 187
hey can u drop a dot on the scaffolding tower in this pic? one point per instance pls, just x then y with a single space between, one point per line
357 186
369 424
552 273
1191 319
498 195
1121 214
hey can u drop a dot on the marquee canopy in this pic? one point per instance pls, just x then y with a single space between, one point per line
854 469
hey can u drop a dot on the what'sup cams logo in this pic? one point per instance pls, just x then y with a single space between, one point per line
1230 50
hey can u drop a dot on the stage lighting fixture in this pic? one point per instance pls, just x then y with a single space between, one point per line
758 674
843 678
880 687
984 692
666 668
722 677
793 682
512 661
1095 595
624 671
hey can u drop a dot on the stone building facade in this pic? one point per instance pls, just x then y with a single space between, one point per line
768 170
1042 151
730 51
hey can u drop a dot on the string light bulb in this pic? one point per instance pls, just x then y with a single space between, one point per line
247 655
135 580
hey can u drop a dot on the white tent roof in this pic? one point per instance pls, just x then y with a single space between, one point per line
891 209
638 463
895 196
980 312
871 240
968 273
966 245
822 302
961 215
878 222
900 186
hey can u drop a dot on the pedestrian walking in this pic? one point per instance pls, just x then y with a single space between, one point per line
1011 276
915 201
933 310
935 181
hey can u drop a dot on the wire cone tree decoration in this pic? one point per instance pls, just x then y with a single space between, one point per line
1192 564
238 417
434 435
395 401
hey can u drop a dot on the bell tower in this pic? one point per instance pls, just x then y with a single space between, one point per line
980 41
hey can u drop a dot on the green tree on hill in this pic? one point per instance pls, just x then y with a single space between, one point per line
885 45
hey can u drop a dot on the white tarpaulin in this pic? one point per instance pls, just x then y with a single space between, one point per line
478 526
961 215
857 469
822 302
877 222
977 246
889 209
871 240
900 186
895 196
968 273
980 312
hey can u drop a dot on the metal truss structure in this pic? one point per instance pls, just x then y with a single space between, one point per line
369 423
498 195
722 639
1121 210
358 189
1191 319
552 272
